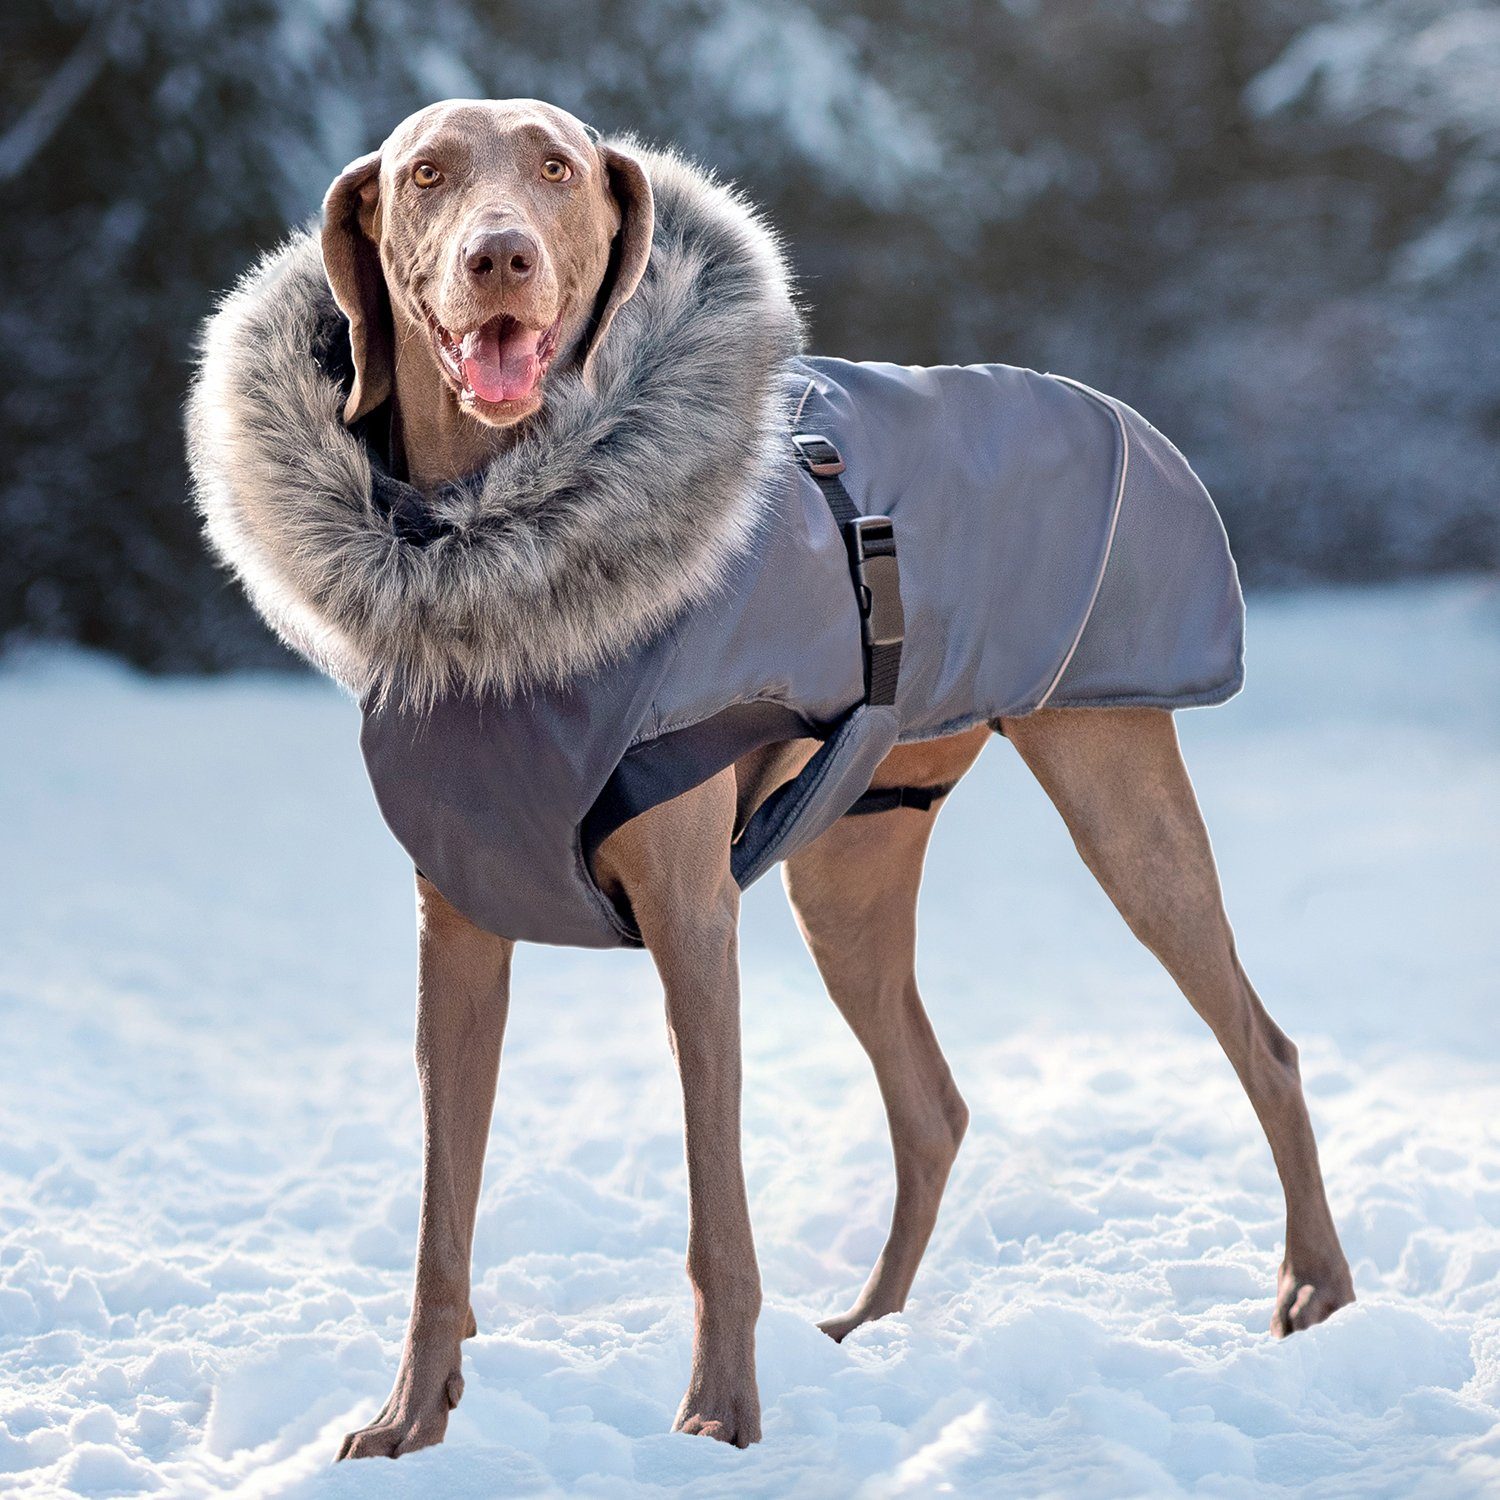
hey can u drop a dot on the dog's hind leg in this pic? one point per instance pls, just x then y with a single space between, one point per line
463 997
1117 778
854 891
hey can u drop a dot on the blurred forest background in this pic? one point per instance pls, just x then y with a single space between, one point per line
1271 225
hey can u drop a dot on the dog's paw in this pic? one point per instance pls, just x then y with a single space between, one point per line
403 1426
1303 1301
729 1418
841 1325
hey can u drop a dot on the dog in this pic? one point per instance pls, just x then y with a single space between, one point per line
480 259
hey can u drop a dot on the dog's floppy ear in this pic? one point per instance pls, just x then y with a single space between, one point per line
632 247
351 260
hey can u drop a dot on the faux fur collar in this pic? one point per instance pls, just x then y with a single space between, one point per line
619 506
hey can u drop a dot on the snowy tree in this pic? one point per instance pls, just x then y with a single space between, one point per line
1269 224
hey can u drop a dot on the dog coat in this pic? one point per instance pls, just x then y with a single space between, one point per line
637 595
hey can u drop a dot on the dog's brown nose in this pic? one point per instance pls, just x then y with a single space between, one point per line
511 254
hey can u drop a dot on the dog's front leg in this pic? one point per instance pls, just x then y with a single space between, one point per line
673 863
699 974
462 999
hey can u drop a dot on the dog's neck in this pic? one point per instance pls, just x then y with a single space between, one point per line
433 440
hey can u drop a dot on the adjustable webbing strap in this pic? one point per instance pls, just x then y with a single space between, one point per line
871 542
889 798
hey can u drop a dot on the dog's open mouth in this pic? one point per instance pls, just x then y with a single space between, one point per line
500 361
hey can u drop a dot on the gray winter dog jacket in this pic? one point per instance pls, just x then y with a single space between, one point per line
654 581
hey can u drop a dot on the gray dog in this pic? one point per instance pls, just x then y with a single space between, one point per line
639 601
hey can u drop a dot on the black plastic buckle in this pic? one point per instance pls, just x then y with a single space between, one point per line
819 457
877 579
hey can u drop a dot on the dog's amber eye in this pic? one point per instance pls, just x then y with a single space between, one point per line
424 174
555 169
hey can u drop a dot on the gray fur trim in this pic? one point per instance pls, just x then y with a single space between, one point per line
618 507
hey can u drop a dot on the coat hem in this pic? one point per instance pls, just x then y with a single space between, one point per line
1211 697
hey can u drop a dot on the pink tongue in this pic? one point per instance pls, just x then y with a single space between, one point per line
500 361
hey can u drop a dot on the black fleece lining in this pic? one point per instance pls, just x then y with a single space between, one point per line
658 770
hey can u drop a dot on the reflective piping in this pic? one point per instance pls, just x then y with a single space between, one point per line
812 385
1109 541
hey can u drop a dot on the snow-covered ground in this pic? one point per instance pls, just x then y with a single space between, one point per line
209 1133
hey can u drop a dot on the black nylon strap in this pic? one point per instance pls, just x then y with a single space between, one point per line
889 798
884 673
840 502
822 460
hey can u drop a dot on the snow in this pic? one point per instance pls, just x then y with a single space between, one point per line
784 71
1439 80
209 1144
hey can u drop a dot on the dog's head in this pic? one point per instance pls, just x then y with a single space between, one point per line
500 236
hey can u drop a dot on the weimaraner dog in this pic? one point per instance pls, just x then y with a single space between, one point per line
495 246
